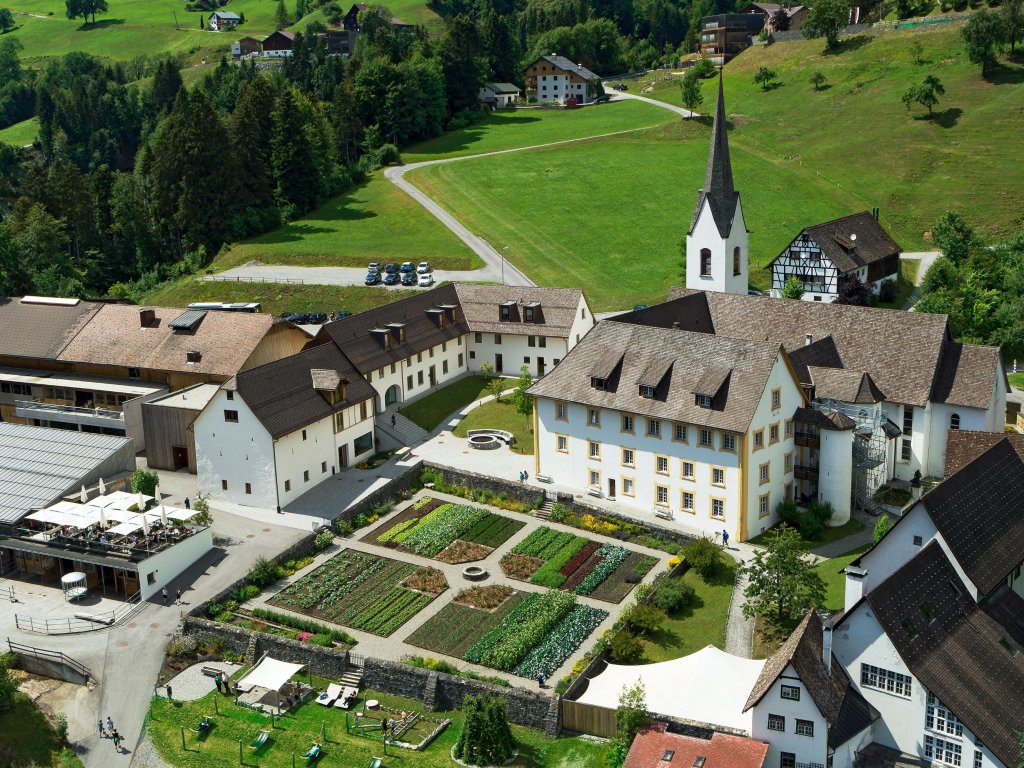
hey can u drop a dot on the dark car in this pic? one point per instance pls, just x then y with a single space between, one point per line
341 314
603 98
408 278
301 319
391 268
391 278
621 87
638 307
289 316
317 318
372 278
374 267
407 266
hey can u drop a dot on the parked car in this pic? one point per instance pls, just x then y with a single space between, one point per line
620 87
423 268
301 319
407 267
317 318
408 278
289 316
391 278
425 280
341 314
603 98
391 268
372 278
374 267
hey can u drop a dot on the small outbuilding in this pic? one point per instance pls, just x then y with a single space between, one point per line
500 95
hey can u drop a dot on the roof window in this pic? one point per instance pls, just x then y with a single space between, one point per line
598 383
927 612
646 391
1014 650
667 755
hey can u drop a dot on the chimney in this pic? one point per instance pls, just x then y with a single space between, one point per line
146 317
193 356
826 644
808 339
675 324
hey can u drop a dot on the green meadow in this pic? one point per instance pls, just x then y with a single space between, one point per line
21 133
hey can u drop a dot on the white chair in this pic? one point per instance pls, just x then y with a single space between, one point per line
328 697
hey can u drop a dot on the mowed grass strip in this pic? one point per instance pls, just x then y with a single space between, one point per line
499 415
831 571
609 215
529 127
428 412
375 221
20 134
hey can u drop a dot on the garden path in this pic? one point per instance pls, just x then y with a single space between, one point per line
395 646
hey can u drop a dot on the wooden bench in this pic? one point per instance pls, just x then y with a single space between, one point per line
544 478
664 514
213 672
595 491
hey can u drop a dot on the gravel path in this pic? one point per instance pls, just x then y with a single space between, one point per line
192 684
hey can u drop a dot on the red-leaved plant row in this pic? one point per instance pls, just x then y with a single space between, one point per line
581 573
580 557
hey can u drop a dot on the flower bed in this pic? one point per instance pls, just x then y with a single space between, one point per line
460 551
430 581
561 642
486 598
520 566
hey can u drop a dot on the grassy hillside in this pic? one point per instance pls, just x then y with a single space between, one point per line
21 133
857 135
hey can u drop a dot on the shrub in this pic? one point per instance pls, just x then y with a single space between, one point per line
486 738
673 594
323 640
625 649
538 502
643 592
382 508
264 572
343 527
144 481
704 557
559 513
184 647
248 592
882 527
60 726
644 619
323 541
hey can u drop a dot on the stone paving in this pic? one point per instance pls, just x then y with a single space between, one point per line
191 684
395 647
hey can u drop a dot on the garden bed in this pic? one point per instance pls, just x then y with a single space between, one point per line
527 635
561 560
366 592
452 533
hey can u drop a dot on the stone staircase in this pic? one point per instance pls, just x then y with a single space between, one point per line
545 510
353 677
404 431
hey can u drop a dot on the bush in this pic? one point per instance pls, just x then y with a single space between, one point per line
882 527
323 541
625 649
264 573
60 727
887 291
144 481
704 557
486 738
343 527
559 513
184 647
644 619
673 594
248 592
323 640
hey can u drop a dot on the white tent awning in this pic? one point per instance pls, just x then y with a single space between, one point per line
124 529
180 514
270 674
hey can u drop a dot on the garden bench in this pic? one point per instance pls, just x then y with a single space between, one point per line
664 514
213 672
260 741
594 490
544 478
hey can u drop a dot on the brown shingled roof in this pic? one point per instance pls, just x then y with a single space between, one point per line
959 656
825 419
851 242
554 317
964 446
40 331
966 375
848 386
115 336
747 363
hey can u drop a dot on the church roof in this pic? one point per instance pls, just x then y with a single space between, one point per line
718 188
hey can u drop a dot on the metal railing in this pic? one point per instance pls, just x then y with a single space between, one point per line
74 625
244 279
68 410
54 656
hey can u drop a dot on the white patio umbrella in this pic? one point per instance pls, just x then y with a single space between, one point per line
103 488
156 492
145 524
103 517
84 496
141 502
163 516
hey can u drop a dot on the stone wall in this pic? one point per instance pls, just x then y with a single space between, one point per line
521 492
402 482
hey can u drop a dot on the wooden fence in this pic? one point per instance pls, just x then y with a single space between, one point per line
588 718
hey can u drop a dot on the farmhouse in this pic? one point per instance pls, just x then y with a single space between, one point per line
279 44
246 46
556 79
351 20
221 20
499 95
795 15
824 255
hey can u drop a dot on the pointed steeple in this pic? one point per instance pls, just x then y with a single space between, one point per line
718 189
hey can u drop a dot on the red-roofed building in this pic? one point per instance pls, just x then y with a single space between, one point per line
655 748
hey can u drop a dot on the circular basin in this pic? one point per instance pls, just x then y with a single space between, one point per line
484 442
474 573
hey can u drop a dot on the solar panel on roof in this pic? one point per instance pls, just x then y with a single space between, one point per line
187 320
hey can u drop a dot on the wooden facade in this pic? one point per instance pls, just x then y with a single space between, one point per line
170 443
589 719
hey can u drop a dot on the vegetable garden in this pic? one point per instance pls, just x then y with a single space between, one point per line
451 533
565 561
527 635
361 591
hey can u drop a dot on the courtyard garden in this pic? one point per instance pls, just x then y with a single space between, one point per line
428 412
362 591
508 630
565 561
451 533
499 414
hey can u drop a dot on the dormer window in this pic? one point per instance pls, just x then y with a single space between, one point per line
703 401
646 391
598 383
529 314
397 331
506 311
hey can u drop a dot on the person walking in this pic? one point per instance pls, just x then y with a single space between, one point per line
100 726
540 681
177 596
725 539
392 419
216 681
188 504
110 725
117 742
164 593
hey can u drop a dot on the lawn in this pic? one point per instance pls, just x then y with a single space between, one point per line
275 298
831 571
699 624
499 415
21 133
1016 380
361 591
376 221
29 738
904 283
829 535
296 732
431 410
527 127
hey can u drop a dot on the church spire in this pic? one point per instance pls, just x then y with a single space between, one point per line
718 188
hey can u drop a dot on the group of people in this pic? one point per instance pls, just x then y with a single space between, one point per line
524 476
110 732
224 684
177 596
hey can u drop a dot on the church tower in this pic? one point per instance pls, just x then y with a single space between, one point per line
717 245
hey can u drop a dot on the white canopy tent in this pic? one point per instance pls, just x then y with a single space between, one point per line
45 516
270 674
124 529
708 686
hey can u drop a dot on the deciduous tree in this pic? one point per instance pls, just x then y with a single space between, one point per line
765 77
1013 22
690 91
925 93
817 79
780 20
793 288
850 289
781 581
825 19
84 9
954 237
6 20
983 37
522 401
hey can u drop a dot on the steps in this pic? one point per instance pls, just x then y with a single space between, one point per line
545 510
403 431
353 677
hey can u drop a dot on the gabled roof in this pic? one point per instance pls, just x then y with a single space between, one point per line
558 308
287 394
852 241
367 353
901 350
838 702
964 446
721 750
820 353
502 87
622 353
847 386
824 419
36 328
568 65
966 375
718 188
228 15
958 653
115 336
977 511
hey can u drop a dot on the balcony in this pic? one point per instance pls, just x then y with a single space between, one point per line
69 414
802 472
807 439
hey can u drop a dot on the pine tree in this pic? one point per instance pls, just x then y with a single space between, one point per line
251 135
345 121
295 173
463 63
281 18
486 738
166 84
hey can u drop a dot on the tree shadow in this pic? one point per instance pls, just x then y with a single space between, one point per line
823 87
947 118
1001 74
847 44
89 26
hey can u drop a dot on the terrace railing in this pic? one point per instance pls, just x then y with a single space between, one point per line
56 657
65 413
73 625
